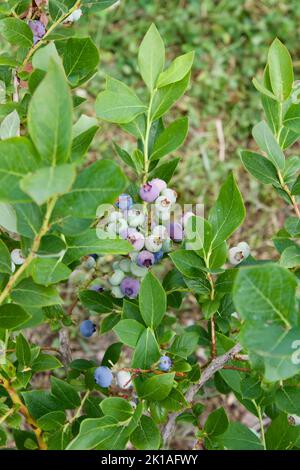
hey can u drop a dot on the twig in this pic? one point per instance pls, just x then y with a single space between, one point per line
215 365
64 346
213 338
220 135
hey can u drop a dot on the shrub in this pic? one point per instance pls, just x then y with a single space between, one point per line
61 217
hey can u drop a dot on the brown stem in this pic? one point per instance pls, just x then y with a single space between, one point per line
24 411
213 338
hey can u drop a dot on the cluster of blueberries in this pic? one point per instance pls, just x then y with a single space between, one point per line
104 376
150 241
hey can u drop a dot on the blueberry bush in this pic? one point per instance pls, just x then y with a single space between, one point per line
62 218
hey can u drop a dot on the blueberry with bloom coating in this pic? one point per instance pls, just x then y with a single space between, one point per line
134 237
116 292
96 288
175 231
130 287
17 257
124 202
87 328
170 194
138 271
185 218
149 191
103 376
158 256
117 277
135 217
165 363
124 379
117 227
153 243
163 204
160 231
146 259
238 253
38 30
160 184
73 16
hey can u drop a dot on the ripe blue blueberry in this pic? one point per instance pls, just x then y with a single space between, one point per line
130 287
158 255
165 363
87 328
103 376
146 259
124 202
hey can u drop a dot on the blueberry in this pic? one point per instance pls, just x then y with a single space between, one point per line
95 256
146 259
165 363
38 30
87 328
149 192
103 376
96 288
134 237
175 231
158 255
160 184
130 287
124 202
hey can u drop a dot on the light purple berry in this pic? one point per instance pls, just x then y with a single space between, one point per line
160 184
175 231
149 192
103 376
96 288
146 259
134 237
124 202
165 363
38 30
130 287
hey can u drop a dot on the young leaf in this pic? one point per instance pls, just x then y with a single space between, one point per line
129 331
170 139
177 70
259 167
50 121
166 96
147 351
151 57
152 301
280 69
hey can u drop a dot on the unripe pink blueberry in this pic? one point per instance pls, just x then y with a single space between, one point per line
175 231
134 237
146 259
130 287
149 192
38 30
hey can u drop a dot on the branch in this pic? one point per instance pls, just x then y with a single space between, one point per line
64 346
215 365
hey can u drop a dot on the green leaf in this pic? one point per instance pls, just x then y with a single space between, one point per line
146 436
147 351
166 170
5 260
83 133
216 423
166 96
288 399
187 262
64 393
16 32
95 432
88 243
151 57
277 348
265 293
8 218
80 59
290 257
292 118
266 141
40 403
117 408
48 271
100 302
177 70
45 362
152 300
239 437
281 70
129 332
48 182
10 126
118 103
100 183
51 421
170 139
12 316
185 344
280 435
50 121
259 167
43 56
250 388
17 158
23 351
28 293
157 387
228 212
